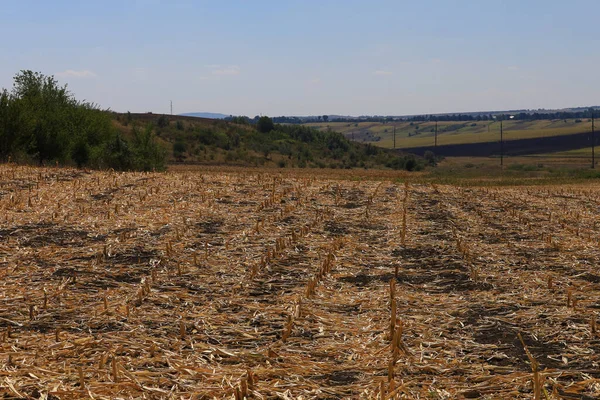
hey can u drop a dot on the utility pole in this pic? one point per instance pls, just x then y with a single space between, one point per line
593 142
501 145
435 142
394 136
171 107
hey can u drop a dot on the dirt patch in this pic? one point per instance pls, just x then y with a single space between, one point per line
209 227
336 228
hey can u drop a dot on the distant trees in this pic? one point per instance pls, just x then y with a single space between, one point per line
265 124
239 120
288 120
521 115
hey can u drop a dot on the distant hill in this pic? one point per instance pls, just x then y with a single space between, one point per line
205 115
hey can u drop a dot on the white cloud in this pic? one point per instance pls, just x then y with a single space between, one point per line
71 73
382 72
224 69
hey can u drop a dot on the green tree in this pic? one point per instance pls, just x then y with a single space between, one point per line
41 119
45 109
179 149
9 117
148 155
265 124
118 154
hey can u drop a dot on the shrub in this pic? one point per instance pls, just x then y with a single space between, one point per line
265 124
163 121
410 165
81 153
179 148
429 156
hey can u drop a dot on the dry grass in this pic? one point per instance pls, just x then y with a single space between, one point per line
260 284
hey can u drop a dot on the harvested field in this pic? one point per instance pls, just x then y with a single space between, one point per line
207 284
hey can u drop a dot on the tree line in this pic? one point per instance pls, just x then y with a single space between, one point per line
42 122
522 116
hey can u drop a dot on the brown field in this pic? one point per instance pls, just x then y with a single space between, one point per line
202 284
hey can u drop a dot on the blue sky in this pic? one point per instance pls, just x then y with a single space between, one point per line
310 57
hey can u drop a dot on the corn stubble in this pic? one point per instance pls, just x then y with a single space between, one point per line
253 284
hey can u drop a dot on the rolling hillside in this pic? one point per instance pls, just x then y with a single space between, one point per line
218 142
421 134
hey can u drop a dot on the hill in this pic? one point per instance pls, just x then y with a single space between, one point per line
413 135
217 142
205 115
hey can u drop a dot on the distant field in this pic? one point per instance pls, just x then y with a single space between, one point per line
419 134
578 153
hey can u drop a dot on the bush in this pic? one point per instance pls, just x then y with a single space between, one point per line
163 121
41 120
81 153
429 156
410 164
179 148
148 155
117 154
265 124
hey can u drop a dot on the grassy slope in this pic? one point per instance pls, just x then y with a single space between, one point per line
210 142
452 132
